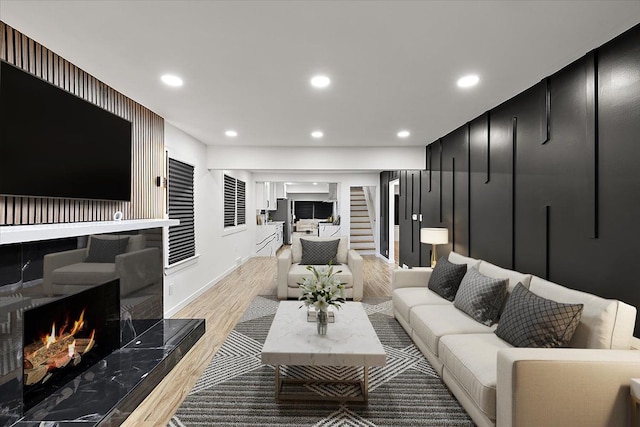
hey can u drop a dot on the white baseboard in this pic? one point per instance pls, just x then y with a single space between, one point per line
182 304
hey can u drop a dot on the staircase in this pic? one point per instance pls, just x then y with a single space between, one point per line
361 235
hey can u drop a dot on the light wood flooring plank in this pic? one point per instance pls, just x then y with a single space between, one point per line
222 306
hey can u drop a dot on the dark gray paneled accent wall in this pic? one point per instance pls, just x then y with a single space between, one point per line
409 211
547 183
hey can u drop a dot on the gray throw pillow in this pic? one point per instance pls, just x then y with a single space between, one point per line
446 277
529 320
480 296
319 252
105 251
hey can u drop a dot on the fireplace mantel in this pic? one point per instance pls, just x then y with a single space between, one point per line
31 233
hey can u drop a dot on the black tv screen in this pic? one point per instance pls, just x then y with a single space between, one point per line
55 144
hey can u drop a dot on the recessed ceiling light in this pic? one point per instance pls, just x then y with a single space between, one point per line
468 81
403 134
231 133
317 134
320 81
171 80
315 183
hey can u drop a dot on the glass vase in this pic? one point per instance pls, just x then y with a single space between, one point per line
321 322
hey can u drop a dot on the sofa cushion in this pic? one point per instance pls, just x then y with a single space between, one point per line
296 247
512 277
605 323
431 322
529 320
319 253
471 360
480 296
105 250
446 277
404 299
298 272
456 258
84 273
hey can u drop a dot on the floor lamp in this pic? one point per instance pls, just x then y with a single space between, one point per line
434 236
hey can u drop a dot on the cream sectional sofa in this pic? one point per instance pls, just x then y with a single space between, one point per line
498 384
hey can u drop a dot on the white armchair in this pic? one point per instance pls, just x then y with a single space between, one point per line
291 272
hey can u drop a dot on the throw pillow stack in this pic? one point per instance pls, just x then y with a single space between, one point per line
480 296
526 319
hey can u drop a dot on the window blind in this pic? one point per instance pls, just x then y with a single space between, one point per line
182 243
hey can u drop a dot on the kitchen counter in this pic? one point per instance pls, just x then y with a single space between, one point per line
269 238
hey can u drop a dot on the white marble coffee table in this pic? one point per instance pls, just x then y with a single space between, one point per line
350 341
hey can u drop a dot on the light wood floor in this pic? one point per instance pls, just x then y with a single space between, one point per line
222 306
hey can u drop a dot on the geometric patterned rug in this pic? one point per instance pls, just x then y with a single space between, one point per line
236 389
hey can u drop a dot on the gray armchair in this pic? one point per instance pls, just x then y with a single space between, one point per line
138 267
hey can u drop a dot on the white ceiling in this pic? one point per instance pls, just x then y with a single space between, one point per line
246 64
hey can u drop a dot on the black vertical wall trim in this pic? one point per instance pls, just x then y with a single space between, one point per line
591 134
488 147
413 235
405 192
514 139
547 217
430 165
453 204
469 188
547 110
596 149
440 195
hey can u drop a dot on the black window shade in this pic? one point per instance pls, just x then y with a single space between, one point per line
182 242
234 202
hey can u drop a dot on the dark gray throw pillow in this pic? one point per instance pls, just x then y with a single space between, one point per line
480 296
446 277
106 250
319 252
529 320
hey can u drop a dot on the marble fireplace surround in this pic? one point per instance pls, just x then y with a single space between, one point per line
106 393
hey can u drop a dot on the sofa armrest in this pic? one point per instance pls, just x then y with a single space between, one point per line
355 263
56 260
284 265
138 269
561 387
417 277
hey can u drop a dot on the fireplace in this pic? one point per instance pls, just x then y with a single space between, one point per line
67 336
108 343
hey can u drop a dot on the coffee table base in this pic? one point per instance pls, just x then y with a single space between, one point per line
281 382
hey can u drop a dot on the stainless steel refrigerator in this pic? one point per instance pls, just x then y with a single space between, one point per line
284 213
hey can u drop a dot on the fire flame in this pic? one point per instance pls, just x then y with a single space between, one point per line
50 339
78 324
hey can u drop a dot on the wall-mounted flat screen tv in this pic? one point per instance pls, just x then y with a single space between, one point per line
55 144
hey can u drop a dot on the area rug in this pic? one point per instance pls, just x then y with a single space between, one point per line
236 389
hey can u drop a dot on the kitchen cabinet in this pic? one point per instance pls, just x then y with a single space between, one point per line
269 238
266 196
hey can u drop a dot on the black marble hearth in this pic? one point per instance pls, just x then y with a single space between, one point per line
107 393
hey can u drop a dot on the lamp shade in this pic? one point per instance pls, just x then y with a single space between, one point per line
435 236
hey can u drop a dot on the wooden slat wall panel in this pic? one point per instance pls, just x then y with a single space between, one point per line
147 142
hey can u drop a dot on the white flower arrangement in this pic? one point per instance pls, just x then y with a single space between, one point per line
322 289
